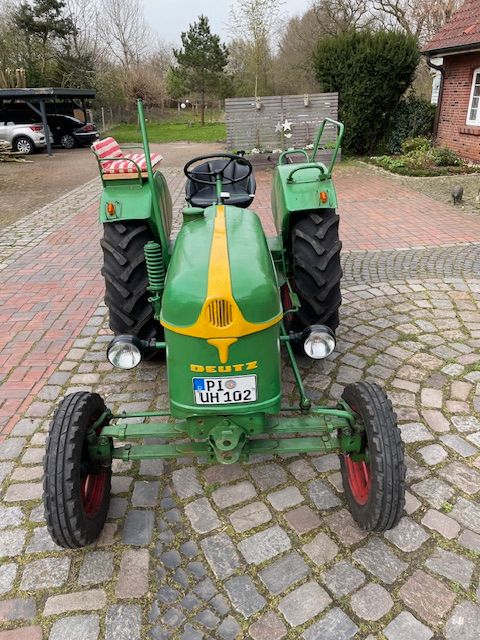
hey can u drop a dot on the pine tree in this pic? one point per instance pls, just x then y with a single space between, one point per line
201 61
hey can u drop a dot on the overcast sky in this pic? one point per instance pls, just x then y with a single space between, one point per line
170 17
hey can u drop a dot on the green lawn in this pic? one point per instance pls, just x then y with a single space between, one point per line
171 132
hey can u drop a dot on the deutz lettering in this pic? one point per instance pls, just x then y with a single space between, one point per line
226 368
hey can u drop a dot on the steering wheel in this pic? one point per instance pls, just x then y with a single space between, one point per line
193 176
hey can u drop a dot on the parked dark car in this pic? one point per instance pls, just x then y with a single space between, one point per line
69 132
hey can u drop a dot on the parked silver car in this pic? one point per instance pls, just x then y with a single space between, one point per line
23 133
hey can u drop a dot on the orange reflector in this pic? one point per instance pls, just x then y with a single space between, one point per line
111 209
323 197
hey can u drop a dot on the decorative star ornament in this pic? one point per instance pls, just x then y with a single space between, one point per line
287 126
279 127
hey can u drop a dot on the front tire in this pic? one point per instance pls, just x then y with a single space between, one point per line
375 489
316 269
126 280
76 491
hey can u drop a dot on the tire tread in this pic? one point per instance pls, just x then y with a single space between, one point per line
317 271
387 500
126 281
66 522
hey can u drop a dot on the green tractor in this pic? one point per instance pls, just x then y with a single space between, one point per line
220 303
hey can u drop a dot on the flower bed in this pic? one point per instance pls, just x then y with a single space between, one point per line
420 158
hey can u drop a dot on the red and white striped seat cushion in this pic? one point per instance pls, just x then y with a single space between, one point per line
109 148
123 165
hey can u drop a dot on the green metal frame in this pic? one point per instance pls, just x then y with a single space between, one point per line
340 131
164 240
228 439
137 167
123 146
327 173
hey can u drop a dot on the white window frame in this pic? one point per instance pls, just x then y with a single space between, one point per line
475 122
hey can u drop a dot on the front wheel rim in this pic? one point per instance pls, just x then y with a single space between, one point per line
92 492
68 142
359 479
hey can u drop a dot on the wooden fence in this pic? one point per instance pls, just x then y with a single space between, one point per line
254 124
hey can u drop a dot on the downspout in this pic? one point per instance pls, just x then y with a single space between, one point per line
440 68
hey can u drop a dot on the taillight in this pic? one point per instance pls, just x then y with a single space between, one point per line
36 127
87 127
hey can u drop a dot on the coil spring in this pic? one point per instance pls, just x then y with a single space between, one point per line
155 266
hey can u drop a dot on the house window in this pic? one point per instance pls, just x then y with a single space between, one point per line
473 116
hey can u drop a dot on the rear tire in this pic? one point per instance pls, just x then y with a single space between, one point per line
76 491
316 269
126 281
375 489
24 145
67 141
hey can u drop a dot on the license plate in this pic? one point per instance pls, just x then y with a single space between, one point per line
225 390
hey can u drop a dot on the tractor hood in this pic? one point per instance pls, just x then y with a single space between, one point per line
221 281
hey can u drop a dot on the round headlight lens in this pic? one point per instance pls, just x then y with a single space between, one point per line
124 354
319 343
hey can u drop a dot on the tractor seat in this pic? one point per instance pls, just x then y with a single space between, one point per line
115 164
203 195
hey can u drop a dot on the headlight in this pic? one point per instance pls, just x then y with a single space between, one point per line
318 341
125 352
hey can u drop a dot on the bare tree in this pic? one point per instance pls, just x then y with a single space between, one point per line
126 32
420 18
14 49
293 65
255 22
338 16
86 17
144 82
162 56
438 12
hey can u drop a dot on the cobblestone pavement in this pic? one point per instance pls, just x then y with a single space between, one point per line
450 261
50 285
27 233
27 187
267 550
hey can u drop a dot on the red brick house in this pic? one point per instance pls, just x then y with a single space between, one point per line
458 117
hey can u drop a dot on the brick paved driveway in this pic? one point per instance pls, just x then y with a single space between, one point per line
379 212
264 550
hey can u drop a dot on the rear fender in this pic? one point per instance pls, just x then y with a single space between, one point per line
133 200
295 195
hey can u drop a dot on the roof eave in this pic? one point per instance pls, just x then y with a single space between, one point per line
45 93
448 51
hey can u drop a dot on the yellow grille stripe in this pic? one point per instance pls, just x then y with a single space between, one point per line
220 316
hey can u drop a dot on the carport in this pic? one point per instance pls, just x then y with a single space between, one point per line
37 98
